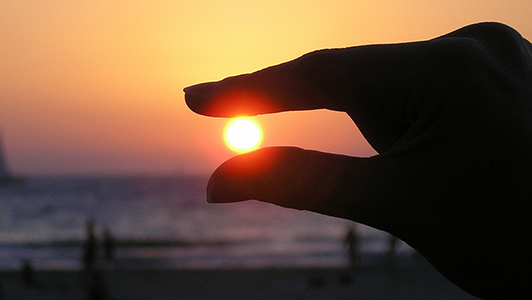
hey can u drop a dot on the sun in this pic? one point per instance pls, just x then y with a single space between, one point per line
242 135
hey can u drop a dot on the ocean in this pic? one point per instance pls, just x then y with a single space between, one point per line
165 222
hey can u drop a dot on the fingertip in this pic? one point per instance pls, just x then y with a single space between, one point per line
196 96
238 179
215 192
210 198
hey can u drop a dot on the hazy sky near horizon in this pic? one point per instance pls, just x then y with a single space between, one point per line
91 87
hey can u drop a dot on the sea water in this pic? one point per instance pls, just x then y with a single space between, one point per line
165 222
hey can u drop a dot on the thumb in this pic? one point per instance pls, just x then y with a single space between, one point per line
330 184
286 176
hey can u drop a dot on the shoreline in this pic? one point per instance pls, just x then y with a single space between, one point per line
365 282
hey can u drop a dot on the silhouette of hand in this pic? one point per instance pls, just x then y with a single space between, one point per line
451 119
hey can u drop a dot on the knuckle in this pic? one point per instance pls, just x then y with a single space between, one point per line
491 45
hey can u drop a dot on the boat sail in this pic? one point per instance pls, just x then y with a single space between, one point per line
4 172
5 175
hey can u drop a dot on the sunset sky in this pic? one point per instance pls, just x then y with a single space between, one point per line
95 87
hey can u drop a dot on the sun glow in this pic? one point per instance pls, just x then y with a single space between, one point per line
242 135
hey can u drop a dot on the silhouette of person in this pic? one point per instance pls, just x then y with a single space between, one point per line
90 248
108 245
451 120
352 241
27 274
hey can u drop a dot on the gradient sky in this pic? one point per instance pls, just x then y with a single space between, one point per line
93 87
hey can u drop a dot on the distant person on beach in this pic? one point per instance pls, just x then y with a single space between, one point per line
451 119
352 241
27 273
90 248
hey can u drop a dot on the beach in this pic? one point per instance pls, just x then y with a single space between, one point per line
374 282
170 244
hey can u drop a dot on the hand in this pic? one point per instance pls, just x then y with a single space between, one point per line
451 119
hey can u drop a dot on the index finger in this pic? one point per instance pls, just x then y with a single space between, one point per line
274 89
350 79
363 78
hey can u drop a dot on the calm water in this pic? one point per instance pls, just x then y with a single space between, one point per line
167 224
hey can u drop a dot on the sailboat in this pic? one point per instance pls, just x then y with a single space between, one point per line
5 176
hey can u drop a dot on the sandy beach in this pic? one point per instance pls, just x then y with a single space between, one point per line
375 282
170 244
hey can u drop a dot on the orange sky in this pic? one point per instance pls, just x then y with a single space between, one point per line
89 87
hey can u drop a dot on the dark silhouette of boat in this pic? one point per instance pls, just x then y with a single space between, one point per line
6 178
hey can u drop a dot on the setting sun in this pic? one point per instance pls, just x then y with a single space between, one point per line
242 135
